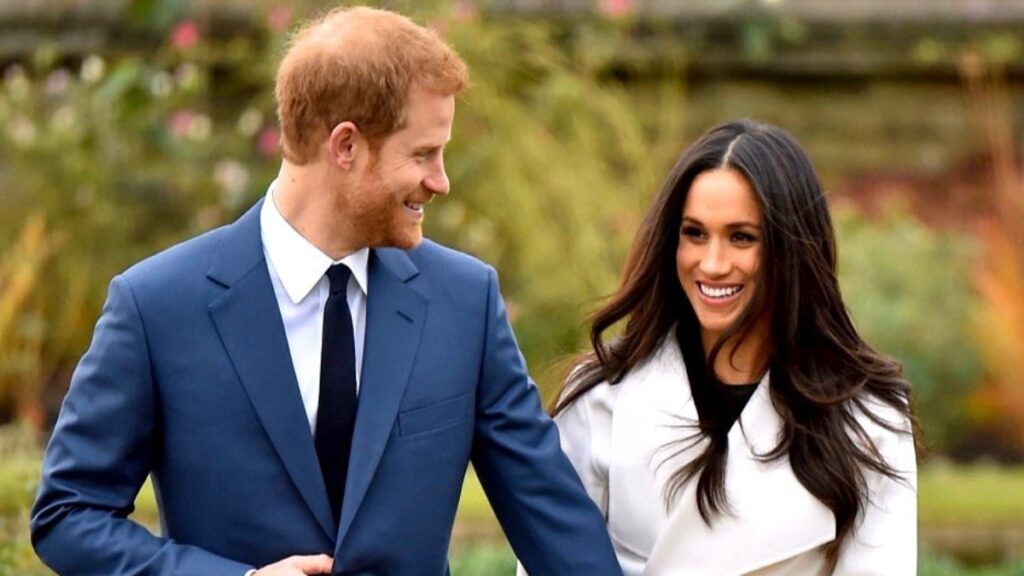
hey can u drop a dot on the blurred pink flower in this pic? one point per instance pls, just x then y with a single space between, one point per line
58 82
209 217
616 8
181 123
279 17
185 35
465 10
512 310
268 141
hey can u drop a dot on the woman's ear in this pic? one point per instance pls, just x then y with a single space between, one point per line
344 144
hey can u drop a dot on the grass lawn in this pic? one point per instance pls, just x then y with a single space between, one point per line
949 497
947 494
961 502
980 494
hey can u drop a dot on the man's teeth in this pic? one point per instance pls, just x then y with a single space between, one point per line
414 206
719 292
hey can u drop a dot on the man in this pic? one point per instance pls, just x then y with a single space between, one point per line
308 385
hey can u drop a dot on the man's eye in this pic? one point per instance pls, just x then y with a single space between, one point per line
428 153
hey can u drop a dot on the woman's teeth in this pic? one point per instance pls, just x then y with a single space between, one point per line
723 292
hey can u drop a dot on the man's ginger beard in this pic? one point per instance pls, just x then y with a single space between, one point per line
374 210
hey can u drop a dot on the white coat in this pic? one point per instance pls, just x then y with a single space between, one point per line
620 439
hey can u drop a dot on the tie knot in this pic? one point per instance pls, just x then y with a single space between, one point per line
338 275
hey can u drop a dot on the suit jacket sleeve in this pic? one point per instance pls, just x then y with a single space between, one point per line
101 451
585 440
535 493
885 539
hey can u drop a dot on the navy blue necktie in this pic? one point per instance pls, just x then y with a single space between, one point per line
336 416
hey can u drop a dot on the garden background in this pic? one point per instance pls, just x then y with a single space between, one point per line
128 125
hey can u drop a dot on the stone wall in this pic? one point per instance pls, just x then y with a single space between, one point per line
870 86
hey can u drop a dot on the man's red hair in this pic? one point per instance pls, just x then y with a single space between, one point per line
358 65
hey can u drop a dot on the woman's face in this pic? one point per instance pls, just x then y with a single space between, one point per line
719 254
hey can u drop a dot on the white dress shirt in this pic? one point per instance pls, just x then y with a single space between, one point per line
298 271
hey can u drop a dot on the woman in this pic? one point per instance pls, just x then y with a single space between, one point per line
738 423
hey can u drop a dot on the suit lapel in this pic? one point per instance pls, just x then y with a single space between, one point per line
774 517
395 314
251 329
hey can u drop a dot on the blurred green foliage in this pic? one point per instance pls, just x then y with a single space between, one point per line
104 163
483 560
933 564
107 159
114 159
552 169
909 296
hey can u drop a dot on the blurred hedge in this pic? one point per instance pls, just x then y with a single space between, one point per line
109 158
908 294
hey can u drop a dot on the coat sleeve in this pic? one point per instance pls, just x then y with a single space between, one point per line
101 451
585 429
885 539
534 490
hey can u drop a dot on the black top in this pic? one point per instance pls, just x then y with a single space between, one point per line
732 398
718 405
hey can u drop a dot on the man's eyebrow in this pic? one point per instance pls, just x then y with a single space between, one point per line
431 146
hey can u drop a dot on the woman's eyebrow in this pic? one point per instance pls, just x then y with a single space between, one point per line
730 226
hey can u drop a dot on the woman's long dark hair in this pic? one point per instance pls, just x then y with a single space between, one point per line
822 371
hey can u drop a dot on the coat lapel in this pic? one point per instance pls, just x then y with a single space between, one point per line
395 314
250 326
774 517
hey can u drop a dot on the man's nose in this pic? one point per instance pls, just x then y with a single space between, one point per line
437 180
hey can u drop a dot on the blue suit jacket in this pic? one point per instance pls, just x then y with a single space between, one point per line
189 378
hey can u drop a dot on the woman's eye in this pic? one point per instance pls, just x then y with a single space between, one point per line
743 237
692 232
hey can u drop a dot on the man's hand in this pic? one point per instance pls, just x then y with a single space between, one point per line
298 566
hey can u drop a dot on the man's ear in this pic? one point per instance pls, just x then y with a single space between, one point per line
344 144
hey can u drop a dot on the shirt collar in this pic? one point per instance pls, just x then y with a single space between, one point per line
298 263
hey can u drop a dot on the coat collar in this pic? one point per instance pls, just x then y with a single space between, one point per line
773 516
